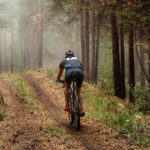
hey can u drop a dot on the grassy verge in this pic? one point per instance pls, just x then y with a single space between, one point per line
19 84
26 95
128 121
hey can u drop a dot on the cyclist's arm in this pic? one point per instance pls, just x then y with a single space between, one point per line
59 75
61 68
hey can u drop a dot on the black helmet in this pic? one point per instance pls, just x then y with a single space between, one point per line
69 54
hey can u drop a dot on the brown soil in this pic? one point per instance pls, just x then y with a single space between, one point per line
92 136
22 130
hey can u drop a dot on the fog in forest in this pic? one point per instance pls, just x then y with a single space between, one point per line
37 33
23 21
110 88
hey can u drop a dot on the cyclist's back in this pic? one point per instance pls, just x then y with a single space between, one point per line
74 70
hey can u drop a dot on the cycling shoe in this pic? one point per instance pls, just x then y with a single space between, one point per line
82 113
66 108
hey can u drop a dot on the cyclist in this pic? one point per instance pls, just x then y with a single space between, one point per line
74 69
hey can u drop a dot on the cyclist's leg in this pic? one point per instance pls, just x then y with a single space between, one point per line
80 96
66 95
67 83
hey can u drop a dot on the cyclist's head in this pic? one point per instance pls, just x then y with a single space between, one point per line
69 54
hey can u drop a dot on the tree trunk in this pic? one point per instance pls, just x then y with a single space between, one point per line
116 59
77 43
141 66
5 51
25 54
149 58
122 61
12 48
97 48
149 68
35 50
21 44
142 59
82 33
87 47
93 49
0 51
131 65
28 56
136 66
28 49
40 32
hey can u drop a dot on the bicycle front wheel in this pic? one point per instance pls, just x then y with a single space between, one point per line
71 118
77 122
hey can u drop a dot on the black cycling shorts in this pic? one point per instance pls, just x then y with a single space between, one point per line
74 73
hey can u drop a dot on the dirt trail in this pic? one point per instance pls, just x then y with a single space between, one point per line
20 130
93 135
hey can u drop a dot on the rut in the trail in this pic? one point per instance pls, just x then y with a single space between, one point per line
43 97
20 129
12 127
93 135
56 112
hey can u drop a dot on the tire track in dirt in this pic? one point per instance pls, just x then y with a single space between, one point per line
93 135
15 111
19 130
55 112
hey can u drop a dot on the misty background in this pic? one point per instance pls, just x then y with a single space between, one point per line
26 25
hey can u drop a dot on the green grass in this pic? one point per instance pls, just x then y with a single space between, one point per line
130 123
106 87
2 115
142 99
25 92
60 133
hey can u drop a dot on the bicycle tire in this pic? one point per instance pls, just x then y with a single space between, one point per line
77 122
70 115
71 118
77 115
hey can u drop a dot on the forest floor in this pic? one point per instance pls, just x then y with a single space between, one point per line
45 126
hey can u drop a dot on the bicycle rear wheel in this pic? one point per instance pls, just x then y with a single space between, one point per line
77 114
71 106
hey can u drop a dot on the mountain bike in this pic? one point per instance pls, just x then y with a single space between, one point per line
74 105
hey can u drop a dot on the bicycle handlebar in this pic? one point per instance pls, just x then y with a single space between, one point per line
61 81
